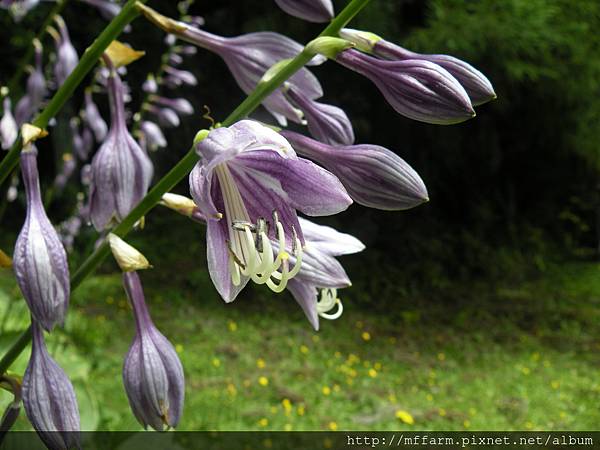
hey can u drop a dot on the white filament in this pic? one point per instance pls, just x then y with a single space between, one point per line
327 302
244 257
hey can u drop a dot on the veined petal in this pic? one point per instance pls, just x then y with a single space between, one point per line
306 296
330 241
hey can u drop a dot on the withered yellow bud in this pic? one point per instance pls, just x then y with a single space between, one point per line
31 133
121 54
180 203
128 257
5 260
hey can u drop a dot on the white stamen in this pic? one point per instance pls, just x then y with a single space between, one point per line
250 255
327 302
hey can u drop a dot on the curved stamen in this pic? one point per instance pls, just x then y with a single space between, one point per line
327 302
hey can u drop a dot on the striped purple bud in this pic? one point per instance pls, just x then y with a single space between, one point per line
8 126
49 398
310 10
153 135
326 123
40 261
121 170
373 175
30 103
415 88
180 105
66 55
152 373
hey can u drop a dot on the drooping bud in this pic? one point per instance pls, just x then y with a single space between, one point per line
30 103
153 135
152 374
93 119
477 85
67 169
150 85
66 55
8 126
183 205
82 142
127 256
121 170
40 261
166 116
310 10
49 398
373 175
179 77
18 8
327 123
415 88
181 105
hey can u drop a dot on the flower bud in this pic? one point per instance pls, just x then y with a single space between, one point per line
153 135
93 119
8 126
128 257
373 175
40 261
310 10
415 88
66 55
152 373
326 123
49 398
181 105
166 116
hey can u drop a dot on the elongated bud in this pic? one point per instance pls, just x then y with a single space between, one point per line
153 135
49 398
127 256
8 126
326 123
181 105
373 175
180 203
66 55
93 119
40 261
310 10
415 88
152 373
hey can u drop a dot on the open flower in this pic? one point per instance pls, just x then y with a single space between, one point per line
152 373
40 261
49 398
249 184
415 88
121 170
321 272
310 10
373 175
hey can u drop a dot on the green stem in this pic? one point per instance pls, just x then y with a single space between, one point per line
87 62
14 81
186 164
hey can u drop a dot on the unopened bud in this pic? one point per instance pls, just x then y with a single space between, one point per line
127 256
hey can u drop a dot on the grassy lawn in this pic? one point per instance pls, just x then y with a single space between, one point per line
512 357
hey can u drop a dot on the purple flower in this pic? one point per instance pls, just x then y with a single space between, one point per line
121 170
249 56
181 105
415 88
150 85
66 55
179 77
67 169
93 119
8 126
49 398
152 373
82 142
153 135
310 10
18 8
40 261
373 175
249 184
36 89
327 123
320 271
166 116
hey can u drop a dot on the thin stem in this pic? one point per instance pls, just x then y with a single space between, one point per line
14 81
87 62
186 164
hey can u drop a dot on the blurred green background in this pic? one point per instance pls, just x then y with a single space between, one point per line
477 311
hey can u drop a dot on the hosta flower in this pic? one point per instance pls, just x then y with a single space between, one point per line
415 88
8 126
152 373
249 184
166 116
373 175
153 136
66 55
49 398
18 8
93 119
40 261
315 286
181 105
327 123
476 84
121 170
178 77
30 103
248 57
310 10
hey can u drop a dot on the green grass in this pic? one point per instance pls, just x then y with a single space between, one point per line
479 358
